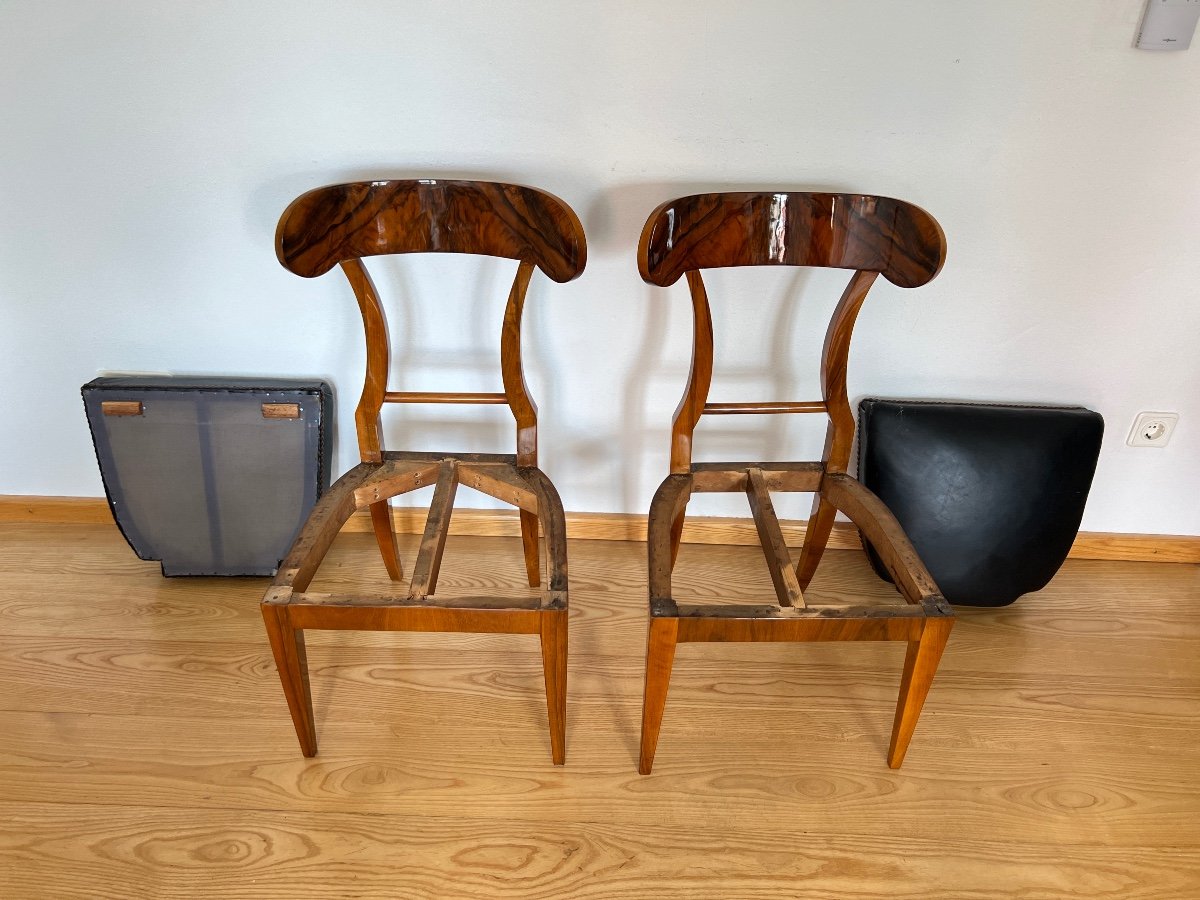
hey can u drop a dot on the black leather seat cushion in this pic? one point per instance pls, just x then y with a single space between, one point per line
990 495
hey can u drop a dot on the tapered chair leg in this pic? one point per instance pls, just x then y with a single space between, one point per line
385 536
677 535
554 665
529 539
920 664
287 644
660 657
816 536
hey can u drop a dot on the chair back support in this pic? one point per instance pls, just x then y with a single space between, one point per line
872 235
845 231
342 223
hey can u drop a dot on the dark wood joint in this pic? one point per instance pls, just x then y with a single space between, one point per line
663 607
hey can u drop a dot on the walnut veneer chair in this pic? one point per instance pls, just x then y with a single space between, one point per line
339 225
873 236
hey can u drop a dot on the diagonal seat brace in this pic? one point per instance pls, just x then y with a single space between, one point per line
779 561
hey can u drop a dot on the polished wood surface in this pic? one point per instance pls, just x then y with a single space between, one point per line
338 225
791 228
873 236
343 222
143 751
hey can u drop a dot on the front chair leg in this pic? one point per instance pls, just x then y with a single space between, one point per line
660 657
920 664
287 644
385 536
529 540
554 666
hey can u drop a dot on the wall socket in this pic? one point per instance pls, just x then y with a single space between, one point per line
1153 429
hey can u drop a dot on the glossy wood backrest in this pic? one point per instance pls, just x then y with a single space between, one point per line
847 231
341 222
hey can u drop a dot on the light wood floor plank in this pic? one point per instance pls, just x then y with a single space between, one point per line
146 751
839 783
90 852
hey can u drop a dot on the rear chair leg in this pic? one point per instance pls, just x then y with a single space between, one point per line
381 520
660 656
287 644
529 538
816 536
677 535
554 665
920 664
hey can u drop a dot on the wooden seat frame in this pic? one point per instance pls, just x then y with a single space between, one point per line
873 236
338 225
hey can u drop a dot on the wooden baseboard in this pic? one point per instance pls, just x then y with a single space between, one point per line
1173 548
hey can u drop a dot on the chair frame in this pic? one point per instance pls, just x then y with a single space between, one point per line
338 225
871 235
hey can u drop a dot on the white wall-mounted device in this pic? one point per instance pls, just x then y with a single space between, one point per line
1168 24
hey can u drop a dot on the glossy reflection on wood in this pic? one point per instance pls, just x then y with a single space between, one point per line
873 236
339 225
791 228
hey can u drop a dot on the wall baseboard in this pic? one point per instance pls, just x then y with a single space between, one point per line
1173 548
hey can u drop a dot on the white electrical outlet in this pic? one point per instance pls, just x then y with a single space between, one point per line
1153 429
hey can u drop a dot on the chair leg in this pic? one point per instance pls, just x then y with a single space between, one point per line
660 656
920 664
554 665
677 535
287 644
381 520
816 536
529 539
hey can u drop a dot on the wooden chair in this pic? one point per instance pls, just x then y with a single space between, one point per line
873 236
339 225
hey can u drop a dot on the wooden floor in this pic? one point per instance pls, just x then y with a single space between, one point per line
146 751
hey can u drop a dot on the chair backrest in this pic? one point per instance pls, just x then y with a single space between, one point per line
872 235
845 231
342 223
330 225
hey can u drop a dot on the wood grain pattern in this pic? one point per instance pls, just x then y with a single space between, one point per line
871 235
339 225
142 750
779 561
839 436
585 526
343 223
102 853
330 225
289 607
790 228
281 410
121 407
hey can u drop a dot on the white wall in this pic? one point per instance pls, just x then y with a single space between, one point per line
147 149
